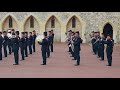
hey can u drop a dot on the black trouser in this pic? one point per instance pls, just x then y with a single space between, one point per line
10 48
74 55
109 57
22 52
51 47
72 52
99 51
30 49
33 47
5 50
26 51
92 47
77 56
102 53
16 56
94 50
48 52
70 49
44 56
0 52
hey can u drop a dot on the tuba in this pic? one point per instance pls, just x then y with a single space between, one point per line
39 38
9 34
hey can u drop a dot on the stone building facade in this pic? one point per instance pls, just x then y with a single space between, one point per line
85 22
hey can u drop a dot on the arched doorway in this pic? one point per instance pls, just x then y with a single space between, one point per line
9 23
54 24
108 29
31 24
74 24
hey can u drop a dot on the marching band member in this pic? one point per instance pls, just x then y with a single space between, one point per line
9 41
30 42
1 41
101 46
109 49
15 42
34 38
22 45
77 48
5 42
26 44
44 44
52 40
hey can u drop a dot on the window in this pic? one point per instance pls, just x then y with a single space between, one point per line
31 22
73 22
10 22
53 22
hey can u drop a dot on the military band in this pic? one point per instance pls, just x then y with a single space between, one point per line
25 42
98 46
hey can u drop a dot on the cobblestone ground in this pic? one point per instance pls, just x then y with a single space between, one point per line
60 65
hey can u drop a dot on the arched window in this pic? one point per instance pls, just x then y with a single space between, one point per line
73 22
31 22
108 29
10 22
53 22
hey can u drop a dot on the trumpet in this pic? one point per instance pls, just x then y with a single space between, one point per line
96 41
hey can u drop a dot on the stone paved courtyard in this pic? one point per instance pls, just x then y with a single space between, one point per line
60 65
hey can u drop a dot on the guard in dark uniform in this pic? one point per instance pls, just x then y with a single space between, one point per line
101 46
96 44
1 41
22 45
34 38
99 38
77 48
49 43
72 46
109 49
5 42
52 40
9 44
69 39
17 36
93 45
26 44
30 42
12 32
44 44
15 42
